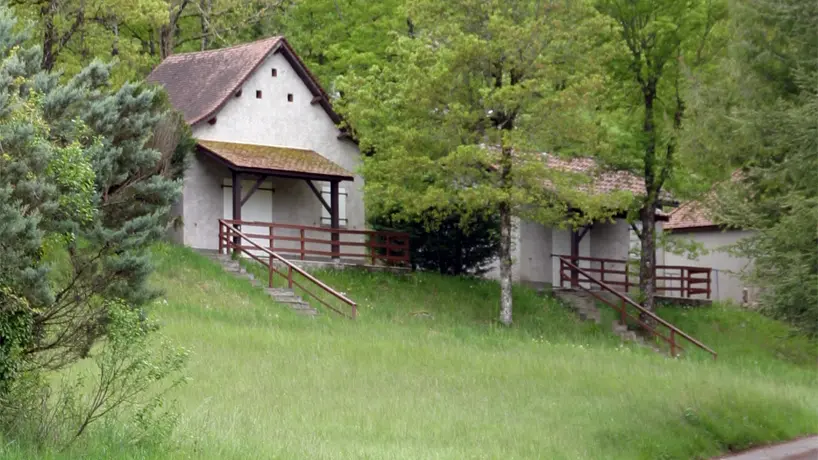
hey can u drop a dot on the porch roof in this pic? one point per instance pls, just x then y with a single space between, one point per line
274 160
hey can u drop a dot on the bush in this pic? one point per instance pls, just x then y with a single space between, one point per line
88 174
457 245
127 374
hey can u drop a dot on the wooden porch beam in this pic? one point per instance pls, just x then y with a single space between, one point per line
585 229
320 197
236 205
261 179
335 222
576 238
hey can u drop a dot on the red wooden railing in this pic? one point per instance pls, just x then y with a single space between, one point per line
231 238
657 326
681 280
390 248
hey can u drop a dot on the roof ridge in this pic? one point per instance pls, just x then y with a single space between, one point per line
199 141
272 39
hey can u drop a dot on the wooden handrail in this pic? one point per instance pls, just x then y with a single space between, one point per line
684 277
316 228
625 262
290 265
566 260
391 248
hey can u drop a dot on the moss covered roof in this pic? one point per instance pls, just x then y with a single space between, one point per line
276 159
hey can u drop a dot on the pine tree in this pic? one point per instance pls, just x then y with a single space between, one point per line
82 197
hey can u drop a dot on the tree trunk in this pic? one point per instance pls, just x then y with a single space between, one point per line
48 11
647 261
205 8
505 264
115 44
166 36
505 239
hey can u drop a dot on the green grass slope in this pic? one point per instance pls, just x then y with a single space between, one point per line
425 374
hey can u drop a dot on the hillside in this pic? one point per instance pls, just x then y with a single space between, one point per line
424 373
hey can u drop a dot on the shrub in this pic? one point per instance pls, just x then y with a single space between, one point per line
457 245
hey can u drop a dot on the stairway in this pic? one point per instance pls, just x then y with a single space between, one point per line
283 296
585 305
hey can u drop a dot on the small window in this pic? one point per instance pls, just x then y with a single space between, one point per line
258 94
342 206
290 97
274 73
238 93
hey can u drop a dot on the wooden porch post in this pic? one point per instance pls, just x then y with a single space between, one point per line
335 221
236 206
575 237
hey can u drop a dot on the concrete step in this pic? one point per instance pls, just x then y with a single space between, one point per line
288 299
619 328
284 296
629 336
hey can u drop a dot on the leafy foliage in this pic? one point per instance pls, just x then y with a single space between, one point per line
766 124
458 116
130 374
456 246
659 49
82 197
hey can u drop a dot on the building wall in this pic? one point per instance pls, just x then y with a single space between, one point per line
561 245
536 244
611 240
270 120
726 280
202 202
494 268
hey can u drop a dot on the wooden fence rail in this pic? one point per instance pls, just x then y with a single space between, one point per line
232 239
676 280
310 242
628 309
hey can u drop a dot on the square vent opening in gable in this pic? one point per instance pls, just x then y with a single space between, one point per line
289 97
258 94
274 72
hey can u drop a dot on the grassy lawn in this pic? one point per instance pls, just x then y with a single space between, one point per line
424 373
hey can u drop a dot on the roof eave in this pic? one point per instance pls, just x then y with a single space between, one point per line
272 172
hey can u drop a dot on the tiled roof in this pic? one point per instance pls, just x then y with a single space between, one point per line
276 159
199 84
689 215
695 213
602 180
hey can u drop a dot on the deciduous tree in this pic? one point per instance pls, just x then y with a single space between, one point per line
460 113
661 48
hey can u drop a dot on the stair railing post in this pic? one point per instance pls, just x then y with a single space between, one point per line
270 272
602 270
627 278
622 314
289 277
709 272
673 343
371 239
302 243
221 235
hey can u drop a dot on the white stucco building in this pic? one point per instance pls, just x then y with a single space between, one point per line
269 147
534 245
690 221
